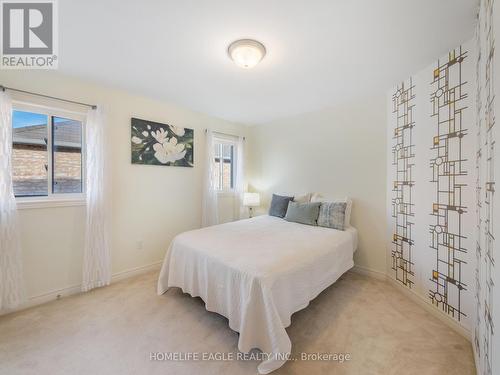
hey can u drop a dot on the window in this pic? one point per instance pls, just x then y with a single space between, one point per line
66 156
29 154
47 157
224 166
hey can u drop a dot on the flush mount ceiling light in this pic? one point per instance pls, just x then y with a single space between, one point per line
246 53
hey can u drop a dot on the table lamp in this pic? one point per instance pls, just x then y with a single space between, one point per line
251 200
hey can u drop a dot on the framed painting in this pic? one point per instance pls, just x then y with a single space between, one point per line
154 143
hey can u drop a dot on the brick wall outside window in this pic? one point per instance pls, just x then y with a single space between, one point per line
30 174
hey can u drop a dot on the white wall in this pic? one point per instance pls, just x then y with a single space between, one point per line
150 203
339 152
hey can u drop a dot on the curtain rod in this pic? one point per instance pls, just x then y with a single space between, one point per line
3 88
231 135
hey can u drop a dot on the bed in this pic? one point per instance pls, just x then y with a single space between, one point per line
257 273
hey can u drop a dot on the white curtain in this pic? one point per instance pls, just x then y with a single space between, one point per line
97 251
239 179
210 211
12 292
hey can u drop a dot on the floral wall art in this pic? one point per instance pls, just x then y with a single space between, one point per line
154 143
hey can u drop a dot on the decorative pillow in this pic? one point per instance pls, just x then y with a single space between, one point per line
303 213
300 198
332 215
317 197
305 198
279 205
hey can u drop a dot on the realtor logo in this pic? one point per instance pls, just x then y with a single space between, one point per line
29 34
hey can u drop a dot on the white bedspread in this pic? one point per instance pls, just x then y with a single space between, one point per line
257 273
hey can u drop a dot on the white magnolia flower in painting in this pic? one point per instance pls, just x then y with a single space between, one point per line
170 151
145 133
136 140
160 135
179 131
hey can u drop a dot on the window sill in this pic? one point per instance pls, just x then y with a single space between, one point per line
27 204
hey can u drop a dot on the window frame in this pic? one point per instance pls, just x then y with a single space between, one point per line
53 199
223 141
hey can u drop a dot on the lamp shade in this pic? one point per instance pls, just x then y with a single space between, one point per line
251 199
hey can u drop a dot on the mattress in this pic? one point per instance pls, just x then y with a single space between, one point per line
257 273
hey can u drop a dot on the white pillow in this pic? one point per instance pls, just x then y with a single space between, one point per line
317 197
299 198
304 198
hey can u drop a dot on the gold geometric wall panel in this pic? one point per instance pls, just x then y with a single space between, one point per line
448 94
403 163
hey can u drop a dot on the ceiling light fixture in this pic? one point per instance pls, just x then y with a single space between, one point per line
246 53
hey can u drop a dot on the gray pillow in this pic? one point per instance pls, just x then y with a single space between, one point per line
279 205
303 213
332 215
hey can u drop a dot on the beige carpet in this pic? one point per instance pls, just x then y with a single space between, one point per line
114 329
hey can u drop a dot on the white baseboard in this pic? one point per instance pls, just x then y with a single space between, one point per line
422 301
417 298
122 275
75 289
369 272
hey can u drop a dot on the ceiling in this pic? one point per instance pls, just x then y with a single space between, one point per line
319 53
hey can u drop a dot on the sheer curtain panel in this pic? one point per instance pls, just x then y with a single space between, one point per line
97 250
239 177
209 212
12 292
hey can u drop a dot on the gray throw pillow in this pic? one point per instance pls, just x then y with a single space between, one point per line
332 215
279 205
303 213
